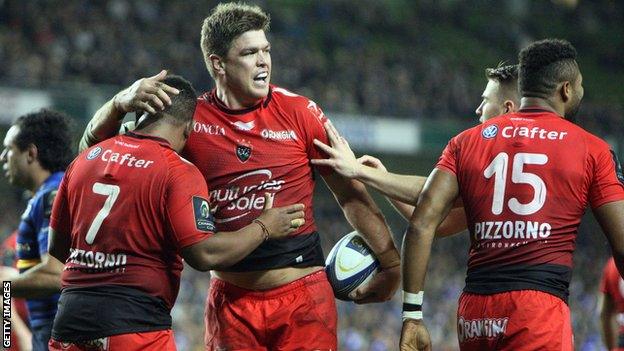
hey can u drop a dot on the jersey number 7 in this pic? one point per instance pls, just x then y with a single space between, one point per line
111 192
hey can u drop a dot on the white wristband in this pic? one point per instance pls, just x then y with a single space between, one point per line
412 315
412 305
411 298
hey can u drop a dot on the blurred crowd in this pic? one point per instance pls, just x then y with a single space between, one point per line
420 59
412 59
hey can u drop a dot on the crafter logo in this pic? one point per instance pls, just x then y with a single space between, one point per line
95 152
490 131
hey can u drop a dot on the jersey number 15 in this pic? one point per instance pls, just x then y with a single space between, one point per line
498 169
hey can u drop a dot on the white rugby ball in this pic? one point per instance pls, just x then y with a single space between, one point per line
349 265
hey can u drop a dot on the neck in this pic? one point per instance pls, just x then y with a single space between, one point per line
39 176
171 133
232 100
546 104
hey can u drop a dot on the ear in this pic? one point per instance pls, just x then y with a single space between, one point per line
188 129
565 91
510 106
33 153
217 64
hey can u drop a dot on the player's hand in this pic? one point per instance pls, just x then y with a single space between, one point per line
341 158
380 289
370 161
414 336
147 94
281 221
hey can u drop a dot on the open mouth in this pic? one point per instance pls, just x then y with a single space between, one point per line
261 77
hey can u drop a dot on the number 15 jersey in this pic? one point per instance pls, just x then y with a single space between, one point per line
525 180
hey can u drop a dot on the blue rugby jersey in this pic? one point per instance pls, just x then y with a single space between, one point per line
32 243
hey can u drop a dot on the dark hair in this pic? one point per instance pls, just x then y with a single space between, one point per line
50 132
182 105
225 23
544 64
507 77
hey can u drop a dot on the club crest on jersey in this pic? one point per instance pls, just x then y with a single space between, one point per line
203 217
618 167
95 152
490 131
243 150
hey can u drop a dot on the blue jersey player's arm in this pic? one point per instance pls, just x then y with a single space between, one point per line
44 279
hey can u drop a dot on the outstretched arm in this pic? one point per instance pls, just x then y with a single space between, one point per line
434 203
401 190
146 94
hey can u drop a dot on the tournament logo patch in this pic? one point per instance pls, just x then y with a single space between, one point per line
243 150
203 218
618 167
490 131
95 152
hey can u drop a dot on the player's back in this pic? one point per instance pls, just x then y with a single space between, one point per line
525 180
116 194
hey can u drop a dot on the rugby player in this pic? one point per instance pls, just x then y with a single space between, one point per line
252 137
37 149
500 96
126 211
525 179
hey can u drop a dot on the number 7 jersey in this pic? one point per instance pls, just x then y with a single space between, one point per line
526 179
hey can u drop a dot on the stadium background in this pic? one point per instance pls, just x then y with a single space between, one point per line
399 78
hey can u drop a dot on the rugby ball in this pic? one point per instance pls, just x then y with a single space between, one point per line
349 265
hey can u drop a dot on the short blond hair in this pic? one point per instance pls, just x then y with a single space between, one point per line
226 22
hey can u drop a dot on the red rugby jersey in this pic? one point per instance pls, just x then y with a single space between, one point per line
265 148
525 180
130 204
245 153
612 284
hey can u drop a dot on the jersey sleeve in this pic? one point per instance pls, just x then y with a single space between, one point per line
606 186
449 157
187 206
46 205
314 123
60 220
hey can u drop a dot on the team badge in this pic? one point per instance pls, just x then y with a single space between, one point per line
490 131
618 167
243 150
203 218
95 152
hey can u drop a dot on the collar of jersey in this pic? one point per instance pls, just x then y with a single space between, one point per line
221 106
139 135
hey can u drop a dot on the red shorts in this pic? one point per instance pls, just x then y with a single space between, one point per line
514 320
156 340
300 315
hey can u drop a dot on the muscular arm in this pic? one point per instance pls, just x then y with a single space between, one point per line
608 321
40 281
44 279
611 219
104 124
146 94
226 248
223 249
434 203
